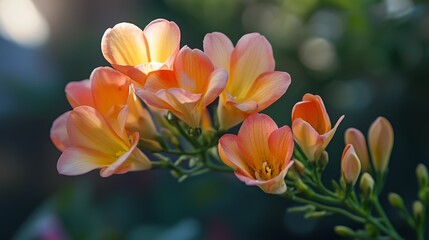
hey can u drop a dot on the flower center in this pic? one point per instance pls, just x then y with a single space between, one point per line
264 173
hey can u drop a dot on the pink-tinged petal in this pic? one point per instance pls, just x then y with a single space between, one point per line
247 107
216 85
79 93
181 95
163 38
88 128
139 118
356 138
350 165
307 138
253 138
161 79
136 73
193 69
380 140
127 162
268 88
59 135
228 115
152 99
328 136
230 153
219 49
125 44
281 144
251 57
76 161
109 89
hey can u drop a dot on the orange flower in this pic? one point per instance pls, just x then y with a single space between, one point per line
350 165
260 154
380 141
91 141
355 137
311 126
188 89
107 91
253 85
135 52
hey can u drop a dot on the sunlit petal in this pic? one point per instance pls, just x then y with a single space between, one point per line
163 38
79 93
216 85
59 135
76 161
219 49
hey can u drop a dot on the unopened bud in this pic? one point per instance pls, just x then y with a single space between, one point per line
366 184
355 137
380 140
315 215
305 208
344 231
302 187
324 159
299 167
422 175
350 165
418 211
424 195
395 200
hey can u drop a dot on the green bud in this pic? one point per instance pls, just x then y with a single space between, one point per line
395 200
305 208
424 195
194 132
366 184
302 187
315 215
292 174
324 159
418 211
422 175
171 117
371 229
344 231
299 167
175 174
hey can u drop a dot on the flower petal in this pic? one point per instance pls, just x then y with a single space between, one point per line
251 57
307 138
163 38
76 161
161 79
230 153
268 88
59 135
281 145
79 93
216 85
219 49
125 44
312 110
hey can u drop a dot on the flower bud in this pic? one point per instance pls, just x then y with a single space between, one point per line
355 137
344 231
366 184
380 140
324 159
422 175
315 215
302 187
350 165
395 200
299 167
418 211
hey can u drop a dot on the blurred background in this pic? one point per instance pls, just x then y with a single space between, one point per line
365 58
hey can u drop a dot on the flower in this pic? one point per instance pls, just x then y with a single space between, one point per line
135 52
311 126
253 85
187 90
350 165
107 91
91 141
355 137
380 141
260 154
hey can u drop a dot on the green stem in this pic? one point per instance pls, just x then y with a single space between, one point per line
384 218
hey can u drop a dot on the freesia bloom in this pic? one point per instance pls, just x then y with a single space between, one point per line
253 85
135 52
350 165
107 91
380 141
91 142
187 90
311 126
356 138
260 154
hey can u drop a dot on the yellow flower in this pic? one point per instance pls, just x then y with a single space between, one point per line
93 142
136 53
311 126
253 85
260 154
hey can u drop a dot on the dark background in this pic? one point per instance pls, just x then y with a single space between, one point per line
365 58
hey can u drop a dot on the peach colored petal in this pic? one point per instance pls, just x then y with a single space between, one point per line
59 135
281 144
307 138
79 93
193 68
356 138
380 141
230 153
313 111
228 115
217 83
76 161
251 57
161 79
328 136
350 165
135 73
109 88
268 88
87 128
248 106
219 49
163 38
125 44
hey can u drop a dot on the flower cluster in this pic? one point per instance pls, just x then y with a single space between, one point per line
160 105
